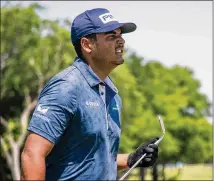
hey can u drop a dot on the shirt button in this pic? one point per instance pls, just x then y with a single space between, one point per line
102 93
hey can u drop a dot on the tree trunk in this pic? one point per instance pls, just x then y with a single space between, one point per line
155 172
16 162
13 157
142 173
163 172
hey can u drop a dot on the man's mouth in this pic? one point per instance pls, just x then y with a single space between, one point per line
120 51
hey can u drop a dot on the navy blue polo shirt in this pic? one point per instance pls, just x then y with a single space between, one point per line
85 128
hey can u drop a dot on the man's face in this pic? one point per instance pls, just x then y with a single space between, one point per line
108 48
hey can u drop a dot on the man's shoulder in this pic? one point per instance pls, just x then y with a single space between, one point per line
69 75
66 74
67 81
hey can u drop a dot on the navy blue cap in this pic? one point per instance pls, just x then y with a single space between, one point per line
98 20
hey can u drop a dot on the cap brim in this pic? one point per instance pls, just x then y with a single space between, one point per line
128 27
125 28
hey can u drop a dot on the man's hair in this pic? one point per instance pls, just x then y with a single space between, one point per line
77 45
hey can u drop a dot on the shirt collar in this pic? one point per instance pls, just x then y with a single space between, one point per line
90 76
109 82
87 72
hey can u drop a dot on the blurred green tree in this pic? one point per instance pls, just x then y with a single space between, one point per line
32 51
174 93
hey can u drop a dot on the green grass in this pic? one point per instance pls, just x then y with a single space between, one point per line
188 172
196 172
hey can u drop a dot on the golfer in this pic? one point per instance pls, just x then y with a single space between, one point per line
74 132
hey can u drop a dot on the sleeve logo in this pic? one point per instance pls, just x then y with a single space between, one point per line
42 110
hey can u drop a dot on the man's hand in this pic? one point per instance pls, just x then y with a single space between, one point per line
151 151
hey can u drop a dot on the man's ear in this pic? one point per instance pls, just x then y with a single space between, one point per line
86 44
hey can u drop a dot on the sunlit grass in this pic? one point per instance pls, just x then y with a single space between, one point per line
187 172
196 172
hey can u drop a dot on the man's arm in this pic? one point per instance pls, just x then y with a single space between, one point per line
33 157
122 161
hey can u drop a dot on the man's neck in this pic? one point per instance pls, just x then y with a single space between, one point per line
100 70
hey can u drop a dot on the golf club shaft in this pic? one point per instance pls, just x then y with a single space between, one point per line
133 166
127 173
156 143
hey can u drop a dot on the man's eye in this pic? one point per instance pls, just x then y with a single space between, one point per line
112 36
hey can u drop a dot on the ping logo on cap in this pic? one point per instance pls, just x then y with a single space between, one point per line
107 17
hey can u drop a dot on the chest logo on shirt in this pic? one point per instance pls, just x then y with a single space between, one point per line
92 104
116 108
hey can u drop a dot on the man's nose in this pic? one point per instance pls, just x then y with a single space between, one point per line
121 41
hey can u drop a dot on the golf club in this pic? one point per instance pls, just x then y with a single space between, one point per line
156 143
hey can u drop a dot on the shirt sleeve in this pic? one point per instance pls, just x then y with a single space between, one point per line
56 106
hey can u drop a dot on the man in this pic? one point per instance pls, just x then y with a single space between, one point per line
75 128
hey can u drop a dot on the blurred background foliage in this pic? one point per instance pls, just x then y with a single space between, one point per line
35 49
